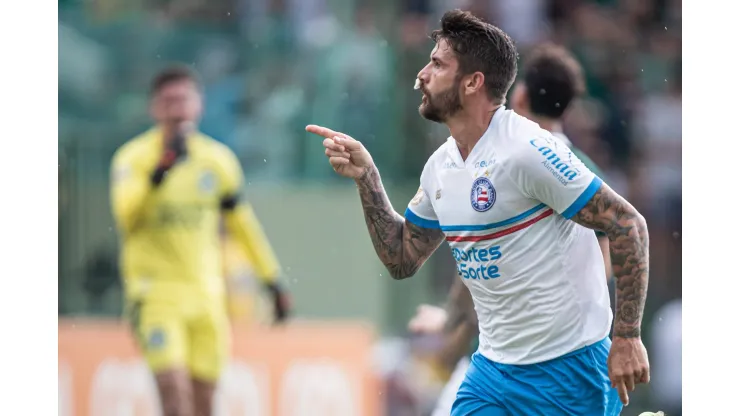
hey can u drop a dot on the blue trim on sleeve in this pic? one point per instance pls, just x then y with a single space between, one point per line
417 220
582 200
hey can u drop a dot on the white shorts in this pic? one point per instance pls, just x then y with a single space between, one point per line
449 392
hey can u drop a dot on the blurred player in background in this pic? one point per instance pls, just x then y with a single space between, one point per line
551 79
171 188
532 263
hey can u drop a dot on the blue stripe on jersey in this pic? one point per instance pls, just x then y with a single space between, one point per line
495 224
582 200
417 220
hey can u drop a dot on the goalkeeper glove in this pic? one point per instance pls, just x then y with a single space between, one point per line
174 151
280 301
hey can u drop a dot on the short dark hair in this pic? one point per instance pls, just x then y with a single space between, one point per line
171 74
480 46
553 77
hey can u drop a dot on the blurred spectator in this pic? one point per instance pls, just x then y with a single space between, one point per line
224 91
658 137
352 86
523 20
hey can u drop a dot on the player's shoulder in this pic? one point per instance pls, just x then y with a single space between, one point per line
516 131
520 140
440 157
218 155
214 148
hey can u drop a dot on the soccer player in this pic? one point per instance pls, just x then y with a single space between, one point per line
518 209
551 79
171 187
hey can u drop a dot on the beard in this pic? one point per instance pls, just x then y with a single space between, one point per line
441 106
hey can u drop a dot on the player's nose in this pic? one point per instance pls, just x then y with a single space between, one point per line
423 75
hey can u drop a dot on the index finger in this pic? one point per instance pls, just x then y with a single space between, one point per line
323 131
623 394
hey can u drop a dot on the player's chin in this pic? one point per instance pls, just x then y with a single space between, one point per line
430 113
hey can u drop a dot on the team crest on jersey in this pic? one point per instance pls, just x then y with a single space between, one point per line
207 182
482 194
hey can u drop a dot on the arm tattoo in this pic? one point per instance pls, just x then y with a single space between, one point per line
628 241
460 310
401 246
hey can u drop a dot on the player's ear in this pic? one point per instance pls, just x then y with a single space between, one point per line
474 82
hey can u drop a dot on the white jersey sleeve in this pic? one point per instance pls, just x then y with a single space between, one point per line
547 170
420 210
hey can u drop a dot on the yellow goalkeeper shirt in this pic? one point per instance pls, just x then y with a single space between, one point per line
170 233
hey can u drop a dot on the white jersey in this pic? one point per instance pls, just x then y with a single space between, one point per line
537 278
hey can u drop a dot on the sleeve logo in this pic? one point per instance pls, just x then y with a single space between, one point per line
562 169
416 200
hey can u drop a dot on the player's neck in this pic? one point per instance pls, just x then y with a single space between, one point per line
550 124
467 129
170 132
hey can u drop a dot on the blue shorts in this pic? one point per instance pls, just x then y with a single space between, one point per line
576 384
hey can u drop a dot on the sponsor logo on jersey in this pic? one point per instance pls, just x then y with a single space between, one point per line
484 163
562 168
482 194
189 216
477 263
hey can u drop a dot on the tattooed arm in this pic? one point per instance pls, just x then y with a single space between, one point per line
546 170
402 246
628 242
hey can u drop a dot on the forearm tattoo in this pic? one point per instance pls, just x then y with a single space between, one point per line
401 246
628 242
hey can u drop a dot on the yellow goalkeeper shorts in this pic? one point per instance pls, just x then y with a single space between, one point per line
180 334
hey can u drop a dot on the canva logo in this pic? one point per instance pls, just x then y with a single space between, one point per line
318 388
